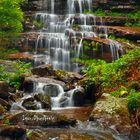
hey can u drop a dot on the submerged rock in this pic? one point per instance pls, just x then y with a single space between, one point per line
112 113
44 119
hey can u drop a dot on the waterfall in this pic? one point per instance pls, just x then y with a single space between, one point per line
116 49
61 36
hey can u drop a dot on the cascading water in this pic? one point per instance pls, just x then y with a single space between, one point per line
61 36
59 97
57 33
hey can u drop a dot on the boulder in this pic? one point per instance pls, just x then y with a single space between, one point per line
79 96
44 119
63 102
51 90
30 104
43 70
31 83
112 113
4 94
27 86
12 132
44 99
68 77
62 134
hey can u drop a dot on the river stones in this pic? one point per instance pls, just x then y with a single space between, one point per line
44 119
111 112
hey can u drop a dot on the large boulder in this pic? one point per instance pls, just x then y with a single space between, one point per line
4 88
111 112
44 119
44 99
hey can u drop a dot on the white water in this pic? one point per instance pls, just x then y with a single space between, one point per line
62 99
53 35
62 35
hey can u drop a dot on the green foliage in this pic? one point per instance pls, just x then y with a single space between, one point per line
133 101
100 12
11 17
133 24
4 53
38 25
112 74
13 76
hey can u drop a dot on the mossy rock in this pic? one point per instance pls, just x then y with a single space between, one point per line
112 112
45 119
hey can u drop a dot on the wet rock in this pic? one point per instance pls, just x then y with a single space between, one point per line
51 89
111 112
43 70
4 94
60 134
2 110
64 101
68 77
5 104
12 131
79 96
28 86
46 82
44 119
44 99
30 104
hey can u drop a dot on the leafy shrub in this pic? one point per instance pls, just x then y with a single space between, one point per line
13 76
112 74
133 101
